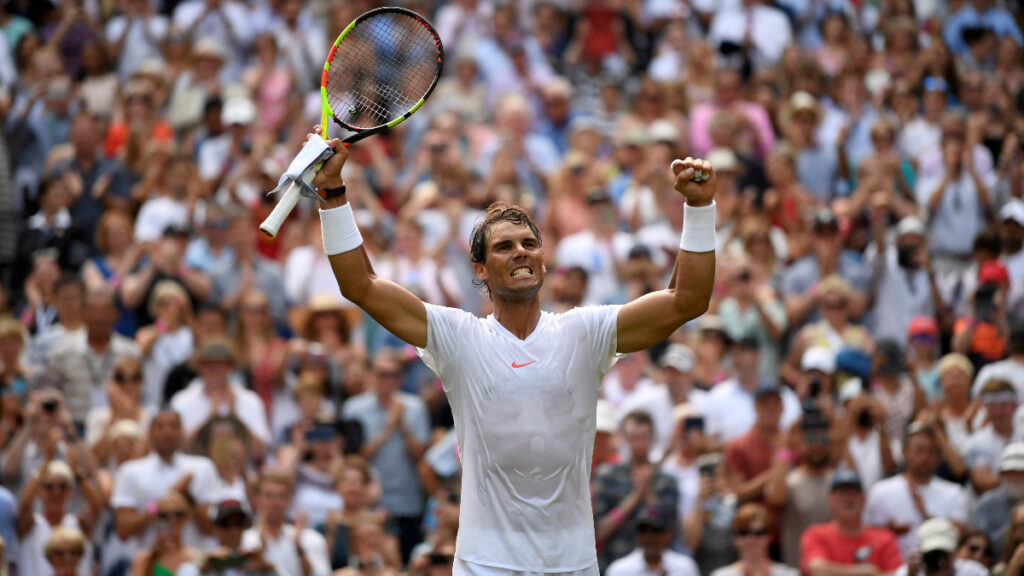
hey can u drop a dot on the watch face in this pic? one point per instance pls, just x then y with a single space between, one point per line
862 554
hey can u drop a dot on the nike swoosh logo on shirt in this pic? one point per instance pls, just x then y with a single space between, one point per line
514 365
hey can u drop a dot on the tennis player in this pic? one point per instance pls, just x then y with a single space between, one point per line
522 383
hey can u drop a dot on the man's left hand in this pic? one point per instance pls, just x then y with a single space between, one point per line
695 180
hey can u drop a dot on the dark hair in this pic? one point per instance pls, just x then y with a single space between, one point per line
640 417
497 212
1015 343
988 240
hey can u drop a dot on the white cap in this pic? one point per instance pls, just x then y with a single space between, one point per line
850 390
678 356
663 131
606 417
125 428
1013 458
937 534
910 225
818 358
238 111
723 159
210 48
1012 210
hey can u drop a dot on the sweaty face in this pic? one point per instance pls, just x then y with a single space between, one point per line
514 264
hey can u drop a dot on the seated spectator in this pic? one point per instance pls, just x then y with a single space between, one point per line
869 450
355 485
992 511
845 543
54 487
708 527
169 340
936 552
124 393
231 519
65 549
901 503
652 554
751 530
619 490
168 554
985 447
728 96
975 545
290 548
922 346
902 399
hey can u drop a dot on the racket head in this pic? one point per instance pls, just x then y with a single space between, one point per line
379 71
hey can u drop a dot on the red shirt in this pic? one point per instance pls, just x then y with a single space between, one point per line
877 546
750 455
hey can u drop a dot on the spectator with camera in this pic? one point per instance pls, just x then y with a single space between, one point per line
291 548
935 553
168 555
985 447
653 554
982 334
231 518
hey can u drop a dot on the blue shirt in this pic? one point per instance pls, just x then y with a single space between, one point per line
998 20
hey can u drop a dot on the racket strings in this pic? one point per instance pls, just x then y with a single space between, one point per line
383 67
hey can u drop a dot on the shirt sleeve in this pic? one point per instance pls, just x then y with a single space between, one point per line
315 547
443 328
889 556
601 326
124 494
812 547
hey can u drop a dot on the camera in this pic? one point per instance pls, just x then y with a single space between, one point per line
985 303
439 559
935 561
50 405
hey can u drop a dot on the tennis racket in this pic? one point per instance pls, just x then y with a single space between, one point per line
381 69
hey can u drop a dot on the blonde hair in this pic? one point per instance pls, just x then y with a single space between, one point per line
11 327
834 283
956 360
62 537
166 288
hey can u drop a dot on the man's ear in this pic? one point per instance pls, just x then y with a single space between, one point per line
544 268
481 271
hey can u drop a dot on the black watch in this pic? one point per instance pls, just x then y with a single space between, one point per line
334 192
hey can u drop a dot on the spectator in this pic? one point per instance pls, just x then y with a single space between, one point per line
751 533
958 412
974 545
290 548
869 450
938 539
992 511
168 554
985 447
753 309
397 430
216 393
802 491
922 345
231 519
124 393
982 334
758 134
652 554
901 503
845 543
65 549
355 485
730 407
621 491
168 341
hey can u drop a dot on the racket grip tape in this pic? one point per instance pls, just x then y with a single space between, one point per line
280 213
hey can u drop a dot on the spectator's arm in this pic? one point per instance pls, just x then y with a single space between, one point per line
610 523
983 479
984 197
948 452
12 463
962 338
821 567
93 501
130 522
26 514
776 492
135 286
936 196
197 283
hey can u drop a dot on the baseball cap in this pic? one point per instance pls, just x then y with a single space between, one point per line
1013 458
922 326
216 349
850 390
854 361
937 534
125 428
818 358
653 517
663 131
175 229
61 469
1014 211
238 110
209 48
605 417
846 478
678 356
910 225
767 388
228 508
993 272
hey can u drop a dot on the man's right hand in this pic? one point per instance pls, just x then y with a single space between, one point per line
643 476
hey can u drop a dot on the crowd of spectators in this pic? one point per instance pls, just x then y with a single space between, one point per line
181 395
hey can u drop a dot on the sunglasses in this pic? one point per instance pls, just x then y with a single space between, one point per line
756 533
645 529
834 304
177 515
234 523
388 374
122 378
922 338
66 553
819 439
56 486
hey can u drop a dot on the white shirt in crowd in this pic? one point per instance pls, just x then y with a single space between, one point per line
195 408
656 401
525 417
729 410
985 448
31 548
891 502
634 564
147 480
282 555
598 258
769 29
1010 370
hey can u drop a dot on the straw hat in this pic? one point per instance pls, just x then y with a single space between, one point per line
299 318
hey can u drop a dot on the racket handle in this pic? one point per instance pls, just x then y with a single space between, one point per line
284 207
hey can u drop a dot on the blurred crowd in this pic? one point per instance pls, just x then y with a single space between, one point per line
181 395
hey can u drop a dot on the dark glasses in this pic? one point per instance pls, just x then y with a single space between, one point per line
759 532
122 378
56 486
66 553
177 515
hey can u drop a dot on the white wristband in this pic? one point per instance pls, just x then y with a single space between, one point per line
339 231
698 229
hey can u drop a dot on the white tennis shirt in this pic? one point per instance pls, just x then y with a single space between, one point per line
525 419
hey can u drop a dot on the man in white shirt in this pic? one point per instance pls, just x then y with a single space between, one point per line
523 384
729 407
140 484
214 394
984 450
652 556
901 503
755 23
293 549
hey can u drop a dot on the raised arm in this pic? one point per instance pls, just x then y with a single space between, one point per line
392 306
651 318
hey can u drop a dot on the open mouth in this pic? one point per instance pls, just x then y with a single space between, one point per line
522 271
